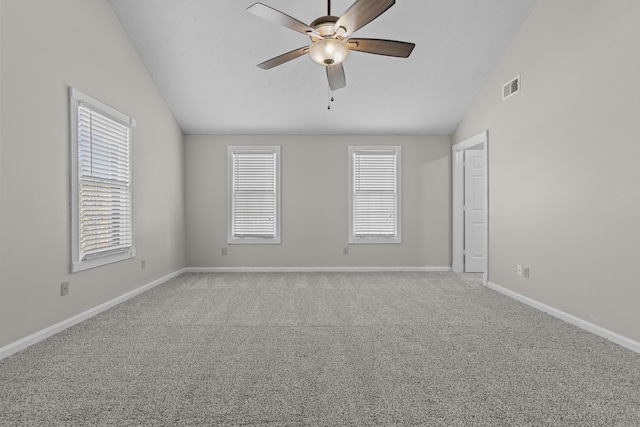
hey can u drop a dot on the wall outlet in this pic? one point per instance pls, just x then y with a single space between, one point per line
224 251
143 264
519 270
64 289
345 251
525 272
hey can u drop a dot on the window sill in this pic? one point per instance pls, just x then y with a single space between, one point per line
374 240
253 241
77 266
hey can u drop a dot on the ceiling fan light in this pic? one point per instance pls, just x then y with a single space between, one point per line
329 51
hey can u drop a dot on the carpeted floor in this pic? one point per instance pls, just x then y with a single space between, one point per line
322 349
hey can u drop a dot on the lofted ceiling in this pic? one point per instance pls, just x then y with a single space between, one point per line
202 55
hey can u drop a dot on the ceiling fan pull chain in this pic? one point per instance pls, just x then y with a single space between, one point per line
330 98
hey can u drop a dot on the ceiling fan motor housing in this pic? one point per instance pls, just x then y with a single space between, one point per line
325 26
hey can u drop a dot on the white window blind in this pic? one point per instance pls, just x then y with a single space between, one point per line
102 184
375 186
254 194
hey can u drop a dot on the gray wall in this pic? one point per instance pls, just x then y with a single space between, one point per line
564 174
46 47
314 204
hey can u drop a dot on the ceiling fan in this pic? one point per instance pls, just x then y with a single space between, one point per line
330 37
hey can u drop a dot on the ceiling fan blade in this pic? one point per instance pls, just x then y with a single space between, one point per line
286 57
336 76
360 14
273 15
382 47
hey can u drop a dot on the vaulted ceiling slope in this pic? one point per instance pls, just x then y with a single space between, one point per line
203 54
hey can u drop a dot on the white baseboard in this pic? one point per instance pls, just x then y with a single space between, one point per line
23 343
588 326
313 269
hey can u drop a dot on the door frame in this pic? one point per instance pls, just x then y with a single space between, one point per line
457 155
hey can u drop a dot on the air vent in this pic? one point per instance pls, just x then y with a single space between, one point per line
511 88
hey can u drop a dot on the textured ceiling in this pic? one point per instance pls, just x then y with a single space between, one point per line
202 55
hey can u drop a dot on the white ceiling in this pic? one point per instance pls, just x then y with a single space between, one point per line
203 54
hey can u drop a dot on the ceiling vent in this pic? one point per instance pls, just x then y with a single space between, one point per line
511 88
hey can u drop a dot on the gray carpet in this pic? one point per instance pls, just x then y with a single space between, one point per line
322 349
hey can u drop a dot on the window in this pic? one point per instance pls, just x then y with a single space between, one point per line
374 194
101 183
253 194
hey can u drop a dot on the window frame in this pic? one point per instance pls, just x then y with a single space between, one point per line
395 150
78 261
254 149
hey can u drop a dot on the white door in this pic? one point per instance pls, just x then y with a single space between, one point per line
474 211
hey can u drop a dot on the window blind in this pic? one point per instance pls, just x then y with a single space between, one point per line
375 194
254 198
105 214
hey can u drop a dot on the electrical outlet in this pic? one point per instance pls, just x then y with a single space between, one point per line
525 272
64 289
143 264
224 251
345 251
519 270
